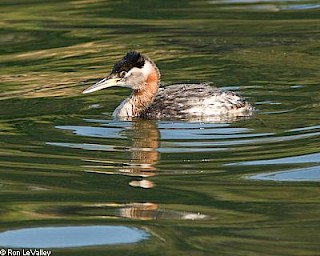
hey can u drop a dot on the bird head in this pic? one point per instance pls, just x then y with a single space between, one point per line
131 71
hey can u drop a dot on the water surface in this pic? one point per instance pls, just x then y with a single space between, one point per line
245 187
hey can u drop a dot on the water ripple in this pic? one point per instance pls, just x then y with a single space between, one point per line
311 174
308 158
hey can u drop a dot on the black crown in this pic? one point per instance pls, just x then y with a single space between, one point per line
131 60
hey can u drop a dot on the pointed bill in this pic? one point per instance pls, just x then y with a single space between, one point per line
104 83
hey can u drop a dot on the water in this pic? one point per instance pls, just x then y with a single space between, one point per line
65 237
249 187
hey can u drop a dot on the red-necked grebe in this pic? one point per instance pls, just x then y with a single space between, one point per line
147 100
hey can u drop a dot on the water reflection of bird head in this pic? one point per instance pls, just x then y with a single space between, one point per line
140 73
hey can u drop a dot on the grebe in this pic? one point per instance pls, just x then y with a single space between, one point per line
147 100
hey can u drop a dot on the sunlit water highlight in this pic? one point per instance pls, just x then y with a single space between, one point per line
72 236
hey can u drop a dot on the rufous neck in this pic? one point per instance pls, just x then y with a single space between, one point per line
142 98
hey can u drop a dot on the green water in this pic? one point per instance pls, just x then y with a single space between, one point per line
249 187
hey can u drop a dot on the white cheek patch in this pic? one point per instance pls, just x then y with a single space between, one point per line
147 69
133 70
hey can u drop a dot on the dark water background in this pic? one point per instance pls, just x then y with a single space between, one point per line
162 188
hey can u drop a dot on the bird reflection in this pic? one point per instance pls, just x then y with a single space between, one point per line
143 153
145 142
138 211
144 136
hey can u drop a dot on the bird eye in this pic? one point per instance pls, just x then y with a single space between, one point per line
123 73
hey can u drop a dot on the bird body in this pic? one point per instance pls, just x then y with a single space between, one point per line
199 100
149 100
